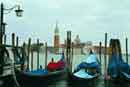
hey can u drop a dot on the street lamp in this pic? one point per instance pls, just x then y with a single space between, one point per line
18 11
2 28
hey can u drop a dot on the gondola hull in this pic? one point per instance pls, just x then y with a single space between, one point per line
74 81
40 80
7 81
118 82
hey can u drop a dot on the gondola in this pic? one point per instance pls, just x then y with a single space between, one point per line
41 77
86 81
118 70
83 77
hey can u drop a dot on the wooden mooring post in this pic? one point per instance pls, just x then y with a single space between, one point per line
100 53
126 41
17 41
105 52
31 58
38 53
105 62
13 39
5 39
23 57
46 55
68 50
72 55
13 47
29 44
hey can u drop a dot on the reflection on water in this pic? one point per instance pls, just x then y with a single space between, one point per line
98 83
62 83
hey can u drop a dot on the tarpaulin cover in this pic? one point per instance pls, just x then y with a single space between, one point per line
57 65
117 66
37 72
90 62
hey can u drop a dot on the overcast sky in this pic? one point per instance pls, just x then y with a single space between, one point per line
88 18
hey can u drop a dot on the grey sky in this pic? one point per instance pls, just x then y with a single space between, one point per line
88 18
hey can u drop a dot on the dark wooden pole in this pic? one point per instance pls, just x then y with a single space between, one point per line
37 53
105 53
1 23
68 49
100 52
13 47
29 44
105 62
24 56
46 55
13 39
17 41
1 37
127 50
72 55
31 58
5 39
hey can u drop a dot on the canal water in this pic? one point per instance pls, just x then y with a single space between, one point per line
77 59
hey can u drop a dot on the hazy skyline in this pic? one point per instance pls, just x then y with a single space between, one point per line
88 18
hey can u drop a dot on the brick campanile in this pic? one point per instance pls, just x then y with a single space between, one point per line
56 39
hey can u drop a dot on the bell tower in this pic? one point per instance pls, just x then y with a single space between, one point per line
56 38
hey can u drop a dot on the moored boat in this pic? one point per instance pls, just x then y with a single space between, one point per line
118 70
86 73
42 77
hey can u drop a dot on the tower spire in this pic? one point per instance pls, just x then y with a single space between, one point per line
56 29
56 38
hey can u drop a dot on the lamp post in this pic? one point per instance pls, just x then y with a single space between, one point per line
2 29
2 24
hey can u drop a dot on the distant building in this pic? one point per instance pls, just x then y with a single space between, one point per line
97 49
77 45
56 38
77 40
88 43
